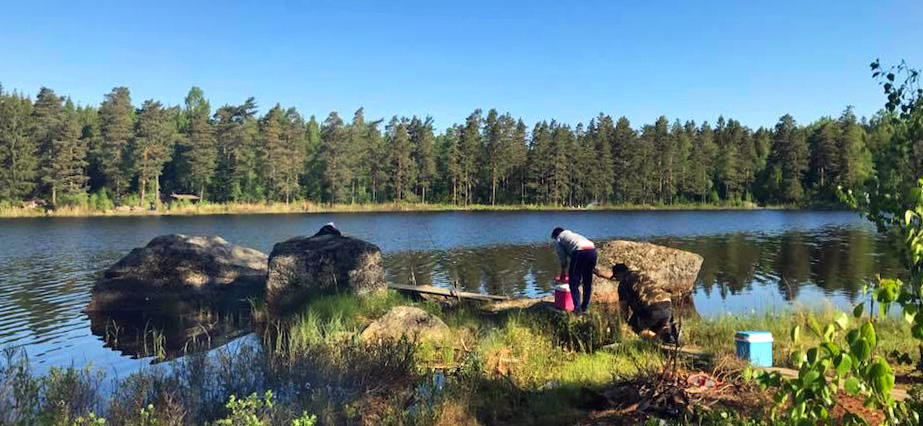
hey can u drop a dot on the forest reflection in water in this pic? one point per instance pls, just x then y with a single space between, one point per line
832 262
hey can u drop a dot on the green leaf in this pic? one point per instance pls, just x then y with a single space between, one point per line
813 355
796 333
797 358
842 364
831 348
881 377
852 386
908 217
852 336
868 333
917 331
857 311
910 313
829 331
814 326
861 349
841 320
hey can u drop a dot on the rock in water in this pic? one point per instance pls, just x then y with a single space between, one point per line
180 268
414 323
325 262
675 270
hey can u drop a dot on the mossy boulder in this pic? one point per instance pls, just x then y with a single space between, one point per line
407 321
179 268
323 263
672 269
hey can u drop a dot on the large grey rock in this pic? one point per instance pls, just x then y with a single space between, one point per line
324 262
180 268
414 323
675 270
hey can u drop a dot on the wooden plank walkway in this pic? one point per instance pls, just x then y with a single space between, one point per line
445 292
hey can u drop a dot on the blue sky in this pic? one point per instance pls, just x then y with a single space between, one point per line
752 61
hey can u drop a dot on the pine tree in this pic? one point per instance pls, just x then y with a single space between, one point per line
272 150
622 142
152 146
855 160
790 156
237 131
469 155
294 145
358 134
377 159
18 152
421 138
335 157
824 159
116 117
400 159
451 162
199 152
701 163
63 154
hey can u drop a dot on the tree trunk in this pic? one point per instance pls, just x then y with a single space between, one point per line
157 192
54 196
143 185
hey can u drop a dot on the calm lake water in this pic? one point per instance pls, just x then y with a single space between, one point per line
754 260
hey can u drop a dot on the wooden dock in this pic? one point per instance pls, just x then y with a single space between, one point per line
445 292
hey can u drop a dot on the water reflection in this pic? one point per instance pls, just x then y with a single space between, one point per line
835 260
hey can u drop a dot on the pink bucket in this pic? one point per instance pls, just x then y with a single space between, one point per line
562 298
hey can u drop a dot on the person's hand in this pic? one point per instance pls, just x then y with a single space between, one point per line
647 334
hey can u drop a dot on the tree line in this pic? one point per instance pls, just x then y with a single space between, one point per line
119 153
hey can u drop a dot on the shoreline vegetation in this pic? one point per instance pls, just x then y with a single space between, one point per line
500 363
201 209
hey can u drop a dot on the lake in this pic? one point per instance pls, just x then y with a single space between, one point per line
754 260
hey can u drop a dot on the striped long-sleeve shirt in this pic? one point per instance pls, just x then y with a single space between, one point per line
568 242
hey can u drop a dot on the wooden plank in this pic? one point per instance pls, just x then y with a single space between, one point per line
439 291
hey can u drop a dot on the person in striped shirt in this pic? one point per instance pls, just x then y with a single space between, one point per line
579 253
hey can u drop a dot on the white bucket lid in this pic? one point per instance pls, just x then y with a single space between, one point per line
753 336
563 287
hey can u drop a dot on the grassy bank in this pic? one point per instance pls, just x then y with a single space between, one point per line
501 364
186 209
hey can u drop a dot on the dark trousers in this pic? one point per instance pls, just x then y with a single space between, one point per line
581 271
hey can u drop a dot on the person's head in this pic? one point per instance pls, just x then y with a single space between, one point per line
557 231
619 271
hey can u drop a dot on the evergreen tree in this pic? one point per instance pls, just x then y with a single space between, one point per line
400 159
199 151
377 159
469 155
358 134
63 154
237 131
334 154
450 160
116 118
152 146
701 163
790 157
18 152
422 138
854 159
622 142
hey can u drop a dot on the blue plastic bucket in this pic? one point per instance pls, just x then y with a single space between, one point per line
755 347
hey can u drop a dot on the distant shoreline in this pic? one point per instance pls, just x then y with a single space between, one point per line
310 208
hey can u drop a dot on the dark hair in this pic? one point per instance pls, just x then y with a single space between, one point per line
619 268
556 232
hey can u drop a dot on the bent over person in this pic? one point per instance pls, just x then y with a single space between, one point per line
581 254
651 307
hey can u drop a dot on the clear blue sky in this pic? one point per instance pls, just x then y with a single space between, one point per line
752 61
